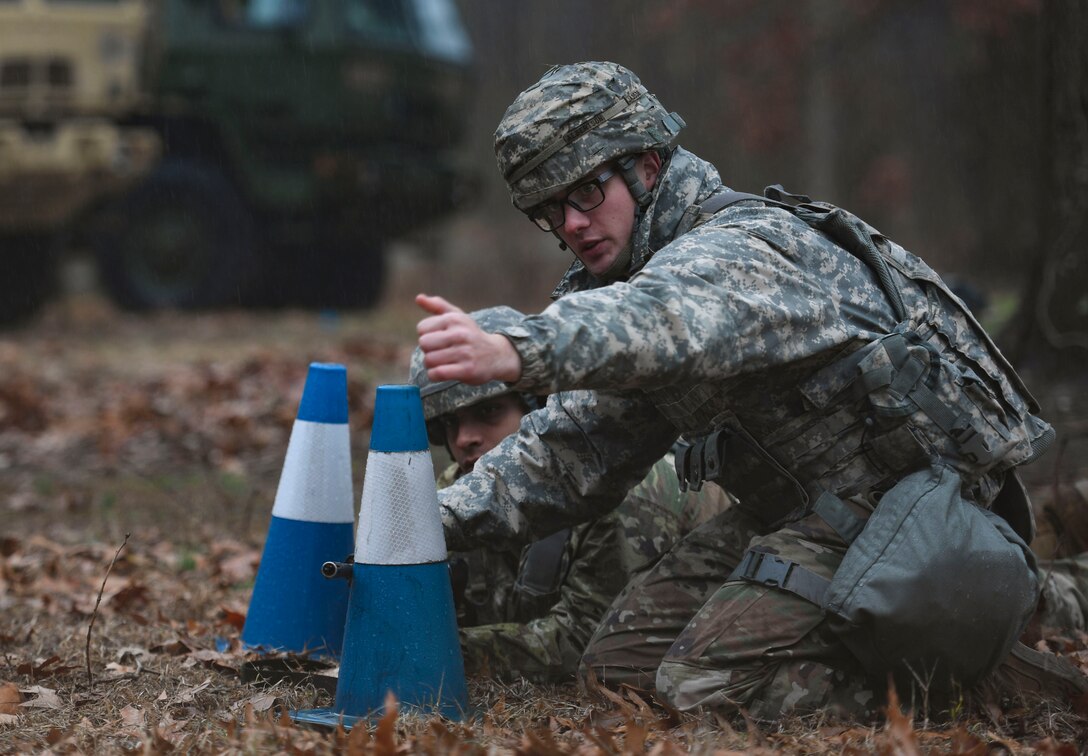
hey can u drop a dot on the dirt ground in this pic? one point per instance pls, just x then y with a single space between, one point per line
149 448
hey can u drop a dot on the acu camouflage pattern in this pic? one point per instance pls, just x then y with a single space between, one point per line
739 322
510 633
559 110
447 396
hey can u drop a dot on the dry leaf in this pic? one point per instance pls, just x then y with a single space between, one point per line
47 698
174 648
385 740
40 669
1051 747
899 729
10 698
263 702
129 595
215 659
119 670
186 695
132 717
358 740
235 619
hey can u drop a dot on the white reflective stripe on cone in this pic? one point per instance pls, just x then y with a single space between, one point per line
399 519
316 482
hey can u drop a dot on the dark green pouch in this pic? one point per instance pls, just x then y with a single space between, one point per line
933 582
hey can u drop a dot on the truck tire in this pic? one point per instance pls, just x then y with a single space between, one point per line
182 239
30 275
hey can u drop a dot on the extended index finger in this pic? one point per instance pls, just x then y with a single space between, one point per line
436 305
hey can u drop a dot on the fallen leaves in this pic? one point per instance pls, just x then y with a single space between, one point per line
214 412
41 669
188 694
173 607
46 698
132 718
10 698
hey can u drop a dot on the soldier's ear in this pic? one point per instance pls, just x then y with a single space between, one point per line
649 167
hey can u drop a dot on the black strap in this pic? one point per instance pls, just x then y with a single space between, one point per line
728 197
539 573
843 520
776 572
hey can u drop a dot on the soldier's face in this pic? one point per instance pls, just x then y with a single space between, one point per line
598 236
473 431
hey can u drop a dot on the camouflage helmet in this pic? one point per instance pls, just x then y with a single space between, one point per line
576 118
448 396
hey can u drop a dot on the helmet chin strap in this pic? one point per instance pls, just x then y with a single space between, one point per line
639 192
619 266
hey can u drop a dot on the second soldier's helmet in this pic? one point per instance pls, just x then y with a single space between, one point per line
576 118
444 397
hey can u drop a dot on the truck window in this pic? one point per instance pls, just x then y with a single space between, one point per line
386 21
264 14
440 30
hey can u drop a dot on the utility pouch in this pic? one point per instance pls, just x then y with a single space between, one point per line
734 460
541 571
933 580
544 566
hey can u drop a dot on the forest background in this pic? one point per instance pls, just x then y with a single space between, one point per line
149 447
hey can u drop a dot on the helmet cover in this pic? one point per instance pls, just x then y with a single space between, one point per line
575 119
448 396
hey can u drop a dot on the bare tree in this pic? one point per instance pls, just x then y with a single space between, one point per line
1053 317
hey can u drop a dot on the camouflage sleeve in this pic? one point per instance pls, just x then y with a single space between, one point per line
570 462
547 649
716 302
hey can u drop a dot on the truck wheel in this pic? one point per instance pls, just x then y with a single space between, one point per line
30 275
183 239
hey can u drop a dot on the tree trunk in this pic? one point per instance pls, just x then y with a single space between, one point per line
1053 318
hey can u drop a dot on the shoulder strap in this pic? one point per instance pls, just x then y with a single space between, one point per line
727 197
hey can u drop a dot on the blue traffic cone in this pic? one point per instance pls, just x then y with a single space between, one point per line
401 634
294 608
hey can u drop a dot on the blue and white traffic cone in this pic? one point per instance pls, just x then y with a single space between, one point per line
294 608
401 634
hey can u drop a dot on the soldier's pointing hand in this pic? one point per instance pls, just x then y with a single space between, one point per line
456 348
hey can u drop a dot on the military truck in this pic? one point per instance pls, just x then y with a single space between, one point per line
65 80
292 140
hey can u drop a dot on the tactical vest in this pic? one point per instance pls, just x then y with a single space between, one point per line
933 388
927 420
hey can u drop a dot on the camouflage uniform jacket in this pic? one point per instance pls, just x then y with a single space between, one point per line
540 634
742 322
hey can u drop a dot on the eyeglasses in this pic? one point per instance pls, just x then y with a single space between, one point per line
548 216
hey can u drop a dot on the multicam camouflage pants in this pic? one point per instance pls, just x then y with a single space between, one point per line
1064 601
701 640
